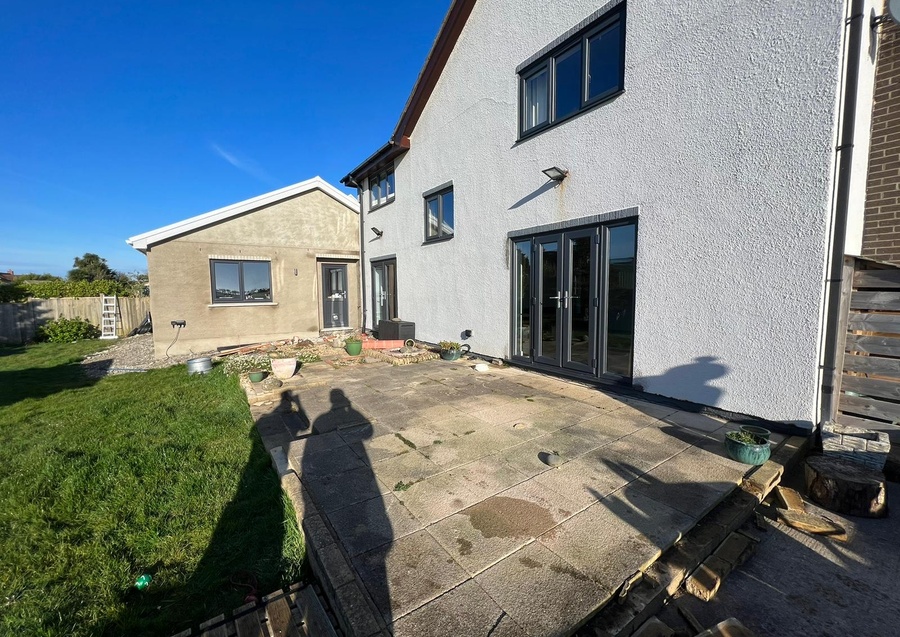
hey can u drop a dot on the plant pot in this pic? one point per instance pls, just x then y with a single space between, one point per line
256 376
454 354
746 452
759 432
284 368
353 348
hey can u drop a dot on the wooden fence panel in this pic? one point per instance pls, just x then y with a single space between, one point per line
870 385
19 321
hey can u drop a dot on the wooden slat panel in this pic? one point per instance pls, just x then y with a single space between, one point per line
876 301
893 431
871 387
877 278
871 407
884 323
883 345
281 623
218 631
314 616
249 625
873 365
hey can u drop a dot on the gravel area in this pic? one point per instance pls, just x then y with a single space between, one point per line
126 355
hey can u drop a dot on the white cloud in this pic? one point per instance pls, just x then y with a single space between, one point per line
247 166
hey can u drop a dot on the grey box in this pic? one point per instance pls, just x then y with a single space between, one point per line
396 330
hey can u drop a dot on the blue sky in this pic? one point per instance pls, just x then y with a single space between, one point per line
117 118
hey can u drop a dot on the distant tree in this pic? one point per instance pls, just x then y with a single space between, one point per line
91 267
34 276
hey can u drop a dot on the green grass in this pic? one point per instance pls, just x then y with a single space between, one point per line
159 473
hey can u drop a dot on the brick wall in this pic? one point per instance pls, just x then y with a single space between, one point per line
881 237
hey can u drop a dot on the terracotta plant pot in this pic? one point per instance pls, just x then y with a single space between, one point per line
284 368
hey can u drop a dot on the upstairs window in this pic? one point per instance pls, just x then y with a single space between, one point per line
439 215
381 189
578 74
241 281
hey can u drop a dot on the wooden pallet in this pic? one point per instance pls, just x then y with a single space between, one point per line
298 612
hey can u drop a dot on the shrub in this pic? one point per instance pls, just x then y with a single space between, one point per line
57 289
241 364
63 330
13 293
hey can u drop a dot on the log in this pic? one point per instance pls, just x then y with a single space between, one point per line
846 487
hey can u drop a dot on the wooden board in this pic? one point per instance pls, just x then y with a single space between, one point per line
864 300
249 625
314 616
879 345
872 365
877 279
871 387
218 631
281 624
865 406
867 322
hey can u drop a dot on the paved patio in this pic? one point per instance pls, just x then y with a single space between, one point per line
431 505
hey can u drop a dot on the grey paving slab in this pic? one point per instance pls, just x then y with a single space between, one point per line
382 447
701 422
437 497
469 447
407 573
465 610
568 444
682 489
371 523
615 424
339 490
650 444
406 468
525 458
541 592
325 463
364 431
584 481
488 476
616 537
312 443
479 536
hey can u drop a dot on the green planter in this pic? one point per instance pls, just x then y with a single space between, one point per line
454 354
759 432
753 454
354 348
256 377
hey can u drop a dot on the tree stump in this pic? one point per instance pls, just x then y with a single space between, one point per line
846 487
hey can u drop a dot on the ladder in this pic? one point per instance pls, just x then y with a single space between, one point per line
108 316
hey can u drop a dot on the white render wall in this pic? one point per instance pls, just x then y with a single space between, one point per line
724 140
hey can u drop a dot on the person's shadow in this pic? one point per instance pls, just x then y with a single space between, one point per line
689 382
339 479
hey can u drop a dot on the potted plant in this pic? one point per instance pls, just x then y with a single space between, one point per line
747 447
451 351
256 375
353 345
283 365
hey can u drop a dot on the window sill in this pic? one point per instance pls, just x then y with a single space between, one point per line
382 205
438 240
262 304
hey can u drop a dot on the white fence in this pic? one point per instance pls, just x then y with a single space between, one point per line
19 321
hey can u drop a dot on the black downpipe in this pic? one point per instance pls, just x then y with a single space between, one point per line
856 22
362 257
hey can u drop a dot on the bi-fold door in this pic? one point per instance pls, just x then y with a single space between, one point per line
573 300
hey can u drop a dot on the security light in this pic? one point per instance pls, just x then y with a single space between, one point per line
555 173
377 232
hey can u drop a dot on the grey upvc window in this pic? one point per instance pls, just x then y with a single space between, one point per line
439 215
381 189
240 281
580 73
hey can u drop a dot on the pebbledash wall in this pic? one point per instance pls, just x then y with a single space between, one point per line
724 139
296 235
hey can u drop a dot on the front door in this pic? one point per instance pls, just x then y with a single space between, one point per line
384 291
334 296
573 299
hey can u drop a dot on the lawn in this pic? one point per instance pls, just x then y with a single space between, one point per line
100 482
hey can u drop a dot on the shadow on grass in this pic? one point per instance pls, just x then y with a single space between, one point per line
41 381
250 554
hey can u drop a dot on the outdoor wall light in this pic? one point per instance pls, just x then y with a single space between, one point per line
555 173
377 232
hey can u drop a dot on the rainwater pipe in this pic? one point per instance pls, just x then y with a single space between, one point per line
853 28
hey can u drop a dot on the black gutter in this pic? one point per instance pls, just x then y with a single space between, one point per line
856 22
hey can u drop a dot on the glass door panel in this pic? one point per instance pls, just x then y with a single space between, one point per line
550 302
621 252
334 296
384 291
579 292
522 299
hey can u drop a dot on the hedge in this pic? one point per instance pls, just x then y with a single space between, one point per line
16 292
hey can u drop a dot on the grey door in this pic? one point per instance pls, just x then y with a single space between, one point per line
384 291
334 296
